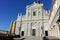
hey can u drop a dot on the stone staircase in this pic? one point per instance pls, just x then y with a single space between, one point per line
33 38
29 38
51 38
37 38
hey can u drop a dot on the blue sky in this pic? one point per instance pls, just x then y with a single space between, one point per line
9 10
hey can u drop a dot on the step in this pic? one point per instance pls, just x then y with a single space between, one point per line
51 38
30 38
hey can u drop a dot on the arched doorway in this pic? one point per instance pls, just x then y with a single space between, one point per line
46 33
33 32
22 33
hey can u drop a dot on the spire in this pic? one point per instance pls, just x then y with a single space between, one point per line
18 14
21 15
38 1
34 2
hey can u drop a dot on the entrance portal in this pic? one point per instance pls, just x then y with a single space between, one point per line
33 32
22 33
46 33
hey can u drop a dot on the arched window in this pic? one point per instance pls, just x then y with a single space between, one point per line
34 13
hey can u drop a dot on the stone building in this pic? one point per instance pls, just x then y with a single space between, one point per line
34 22
54 19
12 28
39 22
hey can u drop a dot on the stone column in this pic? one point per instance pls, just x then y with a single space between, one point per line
17 28
57 25
25 29
37 30
29 29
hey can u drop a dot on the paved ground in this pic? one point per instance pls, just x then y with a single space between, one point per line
37 38
51 38
30 38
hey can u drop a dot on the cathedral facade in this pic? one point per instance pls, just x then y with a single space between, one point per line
37 21
33 23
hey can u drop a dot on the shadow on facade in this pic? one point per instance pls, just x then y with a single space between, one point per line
50 38
8 37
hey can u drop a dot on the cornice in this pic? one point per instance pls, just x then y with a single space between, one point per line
53 2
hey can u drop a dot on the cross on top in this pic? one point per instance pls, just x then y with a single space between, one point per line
38 1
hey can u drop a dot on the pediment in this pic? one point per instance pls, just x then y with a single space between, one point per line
34 5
